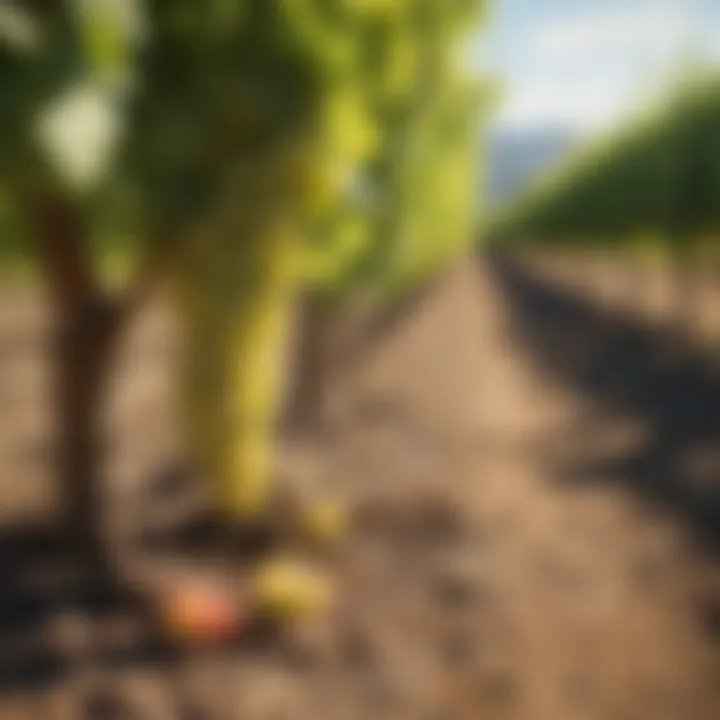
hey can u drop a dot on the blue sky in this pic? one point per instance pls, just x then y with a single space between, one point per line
588 63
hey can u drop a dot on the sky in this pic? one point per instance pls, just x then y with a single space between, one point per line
586 64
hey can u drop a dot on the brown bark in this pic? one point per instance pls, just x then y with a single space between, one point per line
65 262
312 365
83 352
684 291
87 324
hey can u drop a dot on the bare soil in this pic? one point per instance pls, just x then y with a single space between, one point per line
540 472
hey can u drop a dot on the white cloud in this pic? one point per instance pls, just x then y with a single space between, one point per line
545 99
592 68
655 29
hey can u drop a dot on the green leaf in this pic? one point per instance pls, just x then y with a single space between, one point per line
109 31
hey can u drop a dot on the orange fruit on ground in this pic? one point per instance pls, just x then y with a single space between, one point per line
201 613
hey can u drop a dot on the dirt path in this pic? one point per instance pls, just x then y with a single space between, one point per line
556 599
604 582
528 551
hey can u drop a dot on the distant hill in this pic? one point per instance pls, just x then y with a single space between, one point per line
516 155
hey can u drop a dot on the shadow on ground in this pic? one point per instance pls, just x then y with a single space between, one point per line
630 370
48 613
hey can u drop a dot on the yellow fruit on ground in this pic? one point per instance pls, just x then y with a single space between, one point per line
325 521
289 589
